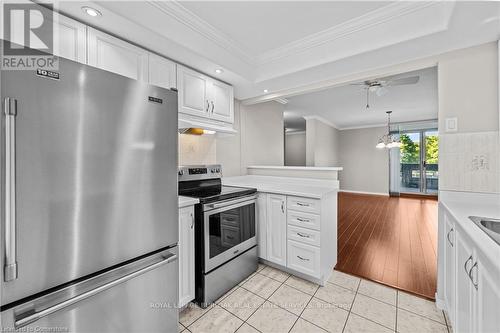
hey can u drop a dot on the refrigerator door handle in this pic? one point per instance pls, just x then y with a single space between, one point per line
10 268
30 316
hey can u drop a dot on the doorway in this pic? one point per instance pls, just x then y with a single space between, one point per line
418 161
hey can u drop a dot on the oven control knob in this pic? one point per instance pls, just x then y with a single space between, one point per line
180 172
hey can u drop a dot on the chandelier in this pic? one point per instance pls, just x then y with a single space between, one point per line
388 140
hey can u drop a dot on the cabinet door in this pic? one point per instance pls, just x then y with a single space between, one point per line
162 72
192 92
464 297
486 276
449 271
262 225
72 40
69 35
117 56
221 101
276 229
186 255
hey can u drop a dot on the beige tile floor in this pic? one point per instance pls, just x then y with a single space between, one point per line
273 301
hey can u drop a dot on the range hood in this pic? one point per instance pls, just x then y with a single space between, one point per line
197 126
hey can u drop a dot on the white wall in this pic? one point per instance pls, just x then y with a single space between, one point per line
322 142
229 147
295 149
262 139
468 88
366 168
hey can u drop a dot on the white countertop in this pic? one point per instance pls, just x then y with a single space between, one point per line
303 168
461 205
302 187
187 201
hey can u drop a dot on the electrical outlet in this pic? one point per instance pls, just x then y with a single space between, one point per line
480 162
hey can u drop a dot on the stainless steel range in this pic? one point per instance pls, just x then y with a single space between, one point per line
226 246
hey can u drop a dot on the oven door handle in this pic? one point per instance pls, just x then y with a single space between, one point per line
231 202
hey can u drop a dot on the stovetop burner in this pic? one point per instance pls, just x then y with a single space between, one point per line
204 182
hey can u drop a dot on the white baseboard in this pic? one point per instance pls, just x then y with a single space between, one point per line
362 192
440 303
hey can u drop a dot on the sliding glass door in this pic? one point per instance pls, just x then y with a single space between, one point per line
419 162
430 161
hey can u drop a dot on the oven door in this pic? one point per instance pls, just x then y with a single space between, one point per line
229 229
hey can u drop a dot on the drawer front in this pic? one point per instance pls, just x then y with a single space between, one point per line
230 219
303 235
303 258
304 220
304 204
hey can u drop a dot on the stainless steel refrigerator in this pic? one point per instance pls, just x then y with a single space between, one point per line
89 212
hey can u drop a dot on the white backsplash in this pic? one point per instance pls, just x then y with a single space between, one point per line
197 149
469 162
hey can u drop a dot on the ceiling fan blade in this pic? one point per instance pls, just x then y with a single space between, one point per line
402 81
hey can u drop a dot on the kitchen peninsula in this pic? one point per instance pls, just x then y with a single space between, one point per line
296 217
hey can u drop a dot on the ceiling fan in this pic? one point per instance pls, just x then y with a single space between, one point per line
378 86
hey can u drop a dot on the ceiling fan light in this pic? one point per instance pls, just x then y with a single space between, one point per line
381 91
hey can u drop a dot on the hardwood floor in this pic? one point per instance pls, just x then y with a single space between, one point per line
389 240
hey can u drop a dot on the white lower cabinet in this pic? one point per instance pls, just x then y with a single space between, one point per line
450 262
276 229
463 290
471 281
298 233
304 258
261 225
186 255
486 276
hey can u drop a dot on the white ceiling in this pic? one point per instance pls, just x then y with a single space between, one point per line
344 106
285 46
265 25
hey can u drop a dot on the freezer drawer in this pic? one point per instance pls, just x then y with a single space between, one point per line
140 297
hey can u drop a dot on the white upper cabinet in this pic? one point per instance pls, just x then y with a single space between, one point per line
221 101
69 35
192 92
162 72
202 96
71 42
117 56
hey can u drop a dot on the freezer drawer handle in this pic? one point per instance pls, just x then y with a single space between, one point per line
10 110
26 320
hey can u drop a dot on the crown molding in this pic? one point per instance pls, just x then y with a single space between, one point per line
180 13
321 119
369 20
362 127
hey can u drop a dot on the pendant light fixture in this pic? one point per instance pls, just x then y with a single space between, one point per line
388 140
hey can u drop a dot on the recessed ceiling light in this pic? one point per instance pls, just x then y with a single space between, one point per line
266 91
91 11
219 71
